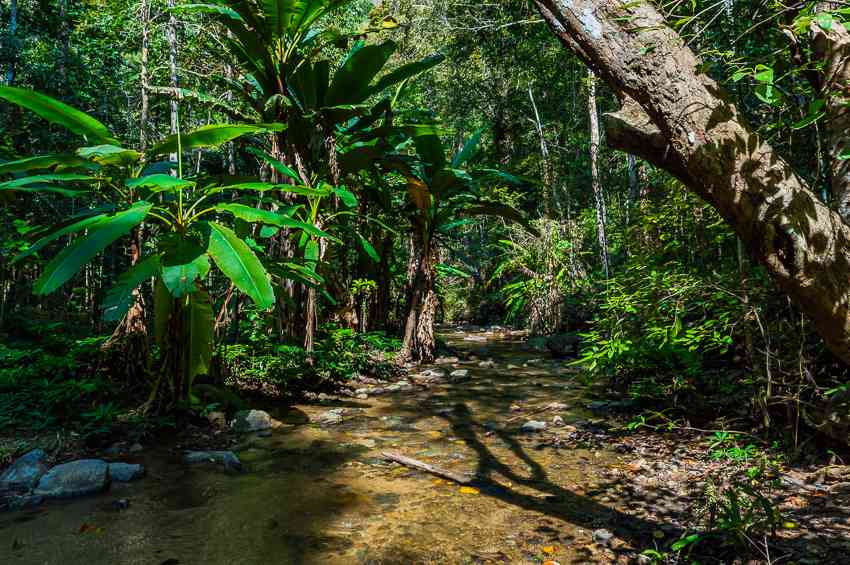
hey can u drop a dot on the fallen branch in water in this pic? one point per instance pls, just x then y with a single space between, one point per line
462 479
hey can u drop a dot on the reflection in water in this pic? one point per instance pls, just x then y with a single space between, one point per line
322 494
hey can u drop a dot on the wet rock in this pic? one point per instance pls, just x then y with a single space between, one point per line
362 396
446 360
125 472
227 458
264 433
475 338
536 343
557 421
333 416
488 364
251 421
25 472
20 502
602 536
120 504
562 345
217 419
77 478
136 448
459 373
533 426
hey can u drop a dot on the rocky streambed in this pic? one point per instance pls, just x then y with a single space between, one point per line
537 471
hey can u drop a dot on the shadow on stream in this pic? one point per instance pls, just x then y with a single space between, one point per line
316 493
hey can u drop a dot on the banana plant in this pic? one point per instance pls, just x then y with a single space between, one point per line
442 194
189 220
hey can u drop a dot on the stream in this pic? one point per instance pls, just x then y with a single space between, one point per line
315 493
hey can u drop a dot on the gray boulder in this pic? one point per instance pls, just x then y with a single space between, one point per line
77 478
25 472
226 458
335 415
533 426
125 472
251 421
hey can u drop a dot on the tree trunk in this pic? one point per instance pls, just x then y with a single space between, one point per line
13 29
599 198
64 38
419 343
381 304
171 36
548 181
683 122
144 116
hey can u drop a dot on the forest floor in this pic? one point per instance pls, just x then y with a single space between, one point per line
550 475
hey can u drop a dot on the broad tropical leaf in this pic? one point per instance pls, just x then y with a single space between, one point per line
240 265
276 164
43 183
212 135
350 83
109 155
81 250
367 247
58 113
44 162
62 229
159 182
257 215
181 279
120 297
405 72
501 211
468 151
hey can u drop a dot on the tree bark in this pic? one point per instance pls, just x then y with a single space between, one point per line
682 121
419 343
548 181
144 116
598 197
832 49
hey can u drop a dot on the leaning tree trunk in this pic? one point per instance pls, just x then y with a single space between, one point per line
681 121
419 342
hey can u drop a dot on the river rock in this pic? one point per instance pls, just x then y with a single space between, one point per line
20 501
602 536
77 478
557 421
562 345
25 472
488 364
217 419
227 458
459 375
446 360
251 421
333 416
533 426
125 472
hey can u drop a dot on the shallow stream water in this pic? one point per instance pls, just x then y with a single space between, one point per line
324 494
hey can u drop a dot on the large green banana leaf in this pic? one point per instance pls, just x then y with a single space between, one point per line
240 265
58 113
120 297
85 247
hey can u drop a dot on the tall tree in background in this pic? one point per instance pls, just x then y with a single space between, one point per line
598 196
13 29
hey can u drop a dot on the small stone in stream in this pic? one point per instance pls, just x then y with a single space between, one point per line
533 426
602 536
557 421
136 448
77 478
360 391
362 396
459 373
331 417
25 472
488 364
446 360
511 367
125 472
120 504
217 419
264 433
251 421
226 458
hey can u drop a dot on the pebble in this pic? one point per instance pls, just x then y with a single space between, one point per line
251 421
602 536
